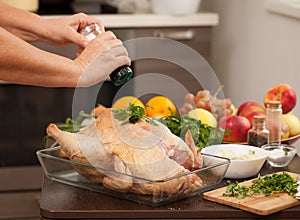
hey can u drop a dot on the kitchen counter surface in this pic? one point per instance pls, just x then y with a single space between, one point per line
157 20
63 201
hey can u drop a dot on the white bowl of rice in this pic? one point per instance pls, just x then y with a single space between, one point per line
245 161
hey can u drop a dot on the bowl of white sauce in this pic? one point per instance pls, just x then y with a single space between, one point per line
245 160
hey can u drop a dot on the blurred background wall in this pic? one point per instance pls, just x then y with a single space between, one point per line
254 49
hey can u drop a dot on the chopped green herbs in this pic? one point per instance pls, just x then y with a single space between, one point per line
267 185
285 150
236 190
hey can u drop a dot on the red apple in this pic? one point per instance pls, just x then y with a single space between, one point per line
252 114
283 93
236 128
248 107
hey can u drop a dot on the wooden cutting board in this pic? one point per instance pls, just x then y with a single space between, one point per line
258 204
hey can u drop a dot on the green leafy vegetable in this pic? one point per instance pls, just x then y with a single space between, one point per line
269 184
71 125
202 134
132 114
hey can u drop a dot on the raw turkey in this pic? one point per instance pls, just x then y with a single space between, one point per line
141 155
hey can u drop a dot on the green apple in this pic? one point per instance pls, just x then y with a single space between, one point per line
293 123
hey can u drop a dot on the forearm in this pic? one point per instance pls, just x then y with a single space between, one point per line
22 63
20 22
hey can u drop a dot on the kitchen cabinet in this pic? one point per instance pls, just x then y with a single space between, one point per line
171 58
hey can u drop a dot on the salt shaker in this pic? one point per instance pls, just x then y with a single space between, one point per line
273 120
258 135
120 75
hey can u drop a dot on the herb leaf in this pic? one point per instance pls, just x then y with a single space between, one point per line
71 125
132 114
202 134
121 114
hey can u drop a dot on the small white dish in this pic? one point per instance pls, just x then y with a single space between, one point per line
279 155
245 161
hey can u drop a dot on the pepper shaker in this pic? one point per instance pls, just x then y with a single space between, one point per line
258 135
120 75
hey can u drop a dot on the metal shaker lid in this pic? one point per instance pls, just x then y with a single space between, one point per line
91 28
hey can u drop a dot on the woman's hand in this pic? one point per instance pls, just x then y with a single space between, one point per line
64 30
32 66
100 57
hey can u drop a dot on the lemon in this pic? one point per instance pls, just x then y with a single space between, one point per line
123 102
206 117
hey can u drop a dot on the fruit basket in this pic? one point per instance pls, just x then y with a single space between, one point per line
290 140
64 171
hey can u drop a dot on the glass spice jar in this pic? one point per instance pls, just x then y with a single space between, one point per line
273 120
258 135
120 75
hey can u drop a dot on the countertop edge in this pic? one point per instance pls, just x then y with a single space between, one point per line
154 20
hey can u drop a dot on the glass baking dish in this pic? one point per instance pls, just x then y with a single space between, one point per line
60 169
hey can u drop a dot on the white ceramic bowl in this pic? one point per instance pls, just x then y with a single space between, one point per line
245 161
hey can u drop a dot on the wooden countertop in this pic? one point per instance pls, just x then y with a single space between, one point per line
156 20
63 201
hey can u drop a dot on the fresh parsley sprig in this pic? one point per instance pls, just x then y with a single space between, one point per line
132 114
202 134
71 125
74 126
